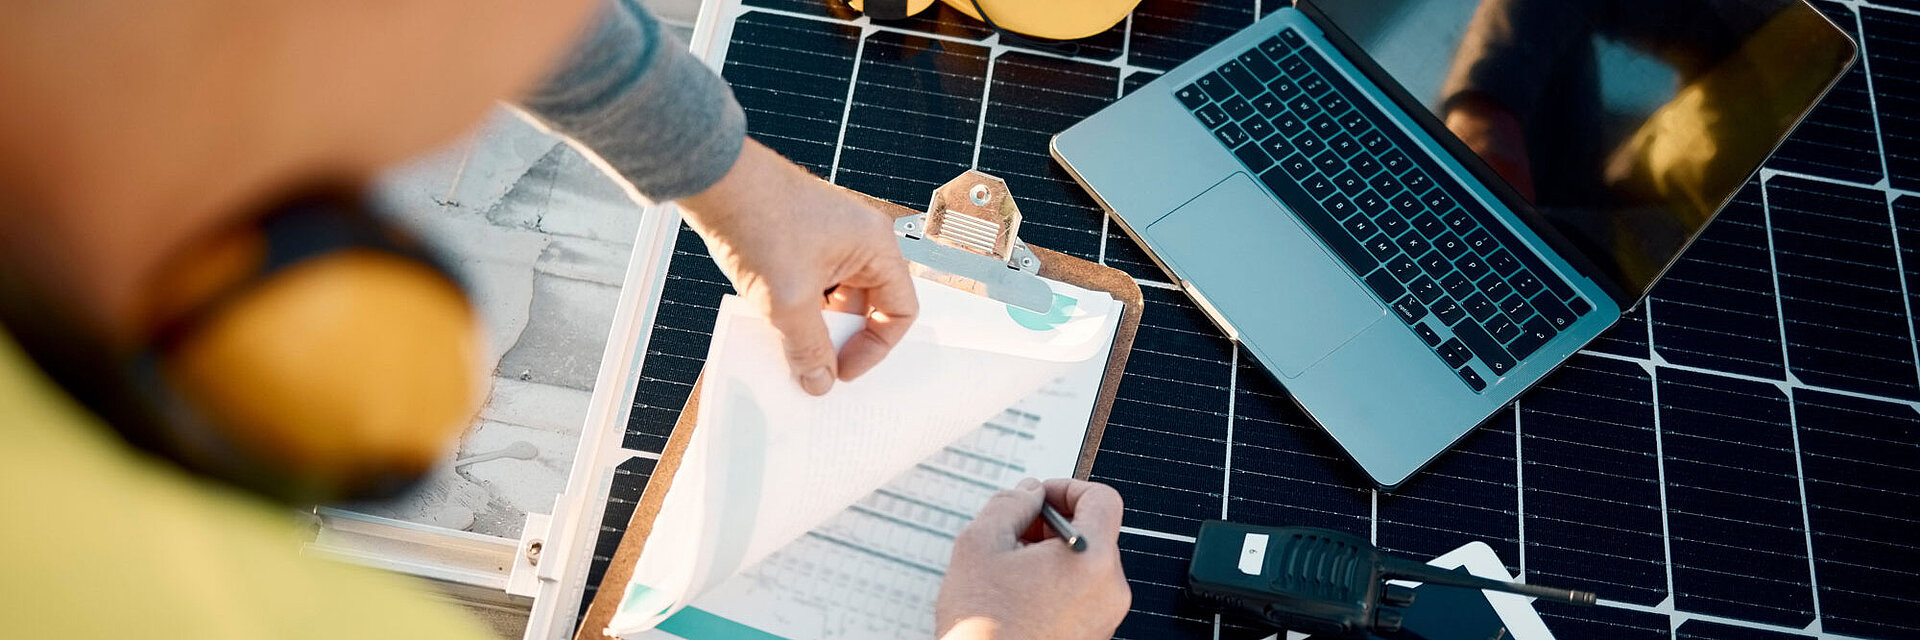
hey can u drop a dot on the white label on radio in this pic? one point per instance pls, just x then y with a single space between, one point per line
1253 554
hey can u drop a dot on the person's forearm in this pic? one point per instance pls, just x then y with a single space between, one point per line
634 95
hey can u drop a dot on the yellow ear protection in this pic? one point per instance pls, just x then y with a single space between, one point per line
1044 19
313 355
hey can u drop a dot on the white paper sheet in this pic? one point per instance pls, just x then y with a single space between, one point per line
769 464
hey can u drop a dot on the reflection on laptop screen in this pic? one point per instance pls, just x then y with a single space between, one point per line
1627 123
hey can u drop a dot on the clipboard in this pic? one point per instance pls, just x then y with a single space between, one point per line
968 238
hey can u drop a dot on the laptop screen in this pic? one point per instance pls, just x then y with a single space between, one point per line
1627 123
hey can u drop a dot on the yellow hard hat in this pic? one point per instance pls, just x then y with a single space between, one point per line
1050 19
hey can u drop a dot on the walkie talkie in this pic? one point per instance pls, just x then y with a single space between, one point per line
1322 582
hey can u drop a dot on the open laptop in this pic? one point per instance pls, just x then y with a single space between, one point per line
1300 181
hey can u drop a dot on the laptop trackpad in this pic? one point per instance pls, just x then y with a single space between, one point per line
1290 301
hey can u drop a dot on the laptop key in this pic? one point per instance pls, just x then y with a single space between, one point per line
1417 182
1361 227
1268 106
1394 161
1479 240
1459 221
1472 379
1371 203
1242 81
1275 48
1350 183
1514 305
1303 106
1394 226
1403 267
1257 127
1375 141
1406 203
1340 207
1412 243
1251 155
1292 38
1214 86
1329 162
1383 284
1426 290
1457 285
1314 85
1480 308
1323 125
1448 311
1434 264
1258 64
1535 334
1382 248
1385 183
1437 200
1297 167
1427 334
1428 224
1365 165
1490 352
1472 266
1335 104
1230 134
1237 108
1284 87
1295 66
1579 306
1450 246
1454 353
1308 144
1211 116
1318 186
1526 284
1503 329
1503 262
1344 145
1557 315
1276 146
1409 309
1288 125
1355 122
1192 96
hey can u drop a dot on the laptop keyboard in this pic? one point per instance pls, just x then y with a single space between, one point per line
1437 257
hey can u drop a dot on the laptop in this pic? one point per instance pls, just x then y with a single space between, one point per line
1405 279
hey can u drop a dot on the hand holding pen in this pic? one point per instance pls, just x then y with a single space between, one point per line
1019 571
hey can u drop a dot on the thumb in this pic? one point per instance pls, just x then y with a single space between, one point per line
803 335
1006 515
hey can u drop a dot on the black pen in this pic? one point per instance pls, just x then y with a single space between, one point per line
1060 526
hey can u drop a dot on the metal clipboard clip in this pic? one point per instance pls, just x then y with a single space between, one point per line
969 239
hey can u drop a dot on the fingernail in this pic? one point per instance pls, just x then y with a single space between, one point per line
1029 484
817 381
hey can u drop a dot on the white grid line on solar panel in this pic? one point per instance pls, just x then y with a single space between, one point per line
986 100
1715 354
733 63
738 44
1707 307
1226 474
1412 498
1589 551
1587 419
1291 479
916 69
1768 173
1883 595
1291 452
787 97
1733 468
1295 506
874 108
1018 63
1595 498
1793 383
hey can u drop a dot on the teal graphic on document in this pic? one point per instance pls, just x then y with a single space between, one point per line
1062 310
689 622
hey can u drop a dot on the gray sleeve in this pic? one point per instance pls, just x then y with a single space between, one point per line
635 95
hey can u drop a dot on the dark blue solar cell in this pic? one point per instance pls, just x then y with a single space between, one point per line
1628 337
1733 500
1165 446
1471 493
1590 475
1286 470
1030 99
1157 571
689 302
1715 309
1861 459
790 76
1569 621
1894 56
1167 32
629 481
915 116
1840 288
1906 220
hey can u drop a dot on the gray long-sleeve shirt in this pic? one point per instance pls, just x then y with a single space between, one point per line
635 95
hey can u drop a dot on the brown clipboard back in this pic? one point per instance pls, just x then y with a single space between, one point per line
1053 266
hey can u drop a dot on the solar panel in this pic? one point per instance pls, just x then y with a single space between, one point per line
1739 458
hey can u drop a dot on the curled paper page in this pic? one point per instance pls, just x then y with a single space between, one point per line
767 462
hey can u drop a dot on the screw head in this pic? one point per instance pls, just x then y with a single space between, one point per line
979 194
